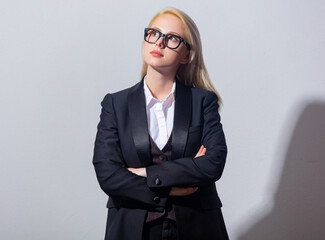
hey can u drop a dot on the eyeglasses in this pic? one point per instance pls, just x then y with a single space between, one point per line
171 41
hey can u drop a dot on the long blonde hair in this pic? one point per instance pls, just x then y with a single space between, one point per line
194 73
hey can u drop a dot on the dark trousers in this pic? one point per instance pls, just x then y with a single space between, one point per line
160 229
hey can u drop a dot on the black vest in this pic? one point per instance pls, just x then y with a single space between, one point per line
159 156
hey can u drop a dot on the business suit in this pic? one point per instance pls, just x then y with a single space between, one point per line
123 141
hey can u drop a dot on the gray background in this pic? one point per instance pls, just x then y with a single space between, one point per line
59 58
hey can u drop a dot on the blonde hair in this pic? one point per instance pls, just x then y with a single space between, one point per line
194 73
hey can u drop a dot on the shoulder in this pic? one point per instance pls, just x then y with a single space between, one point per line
204 99
121 95
199 97
201 92
204 96
195 91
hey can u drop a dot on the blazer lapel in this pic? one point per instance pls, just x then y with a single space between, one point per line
138 119
182 118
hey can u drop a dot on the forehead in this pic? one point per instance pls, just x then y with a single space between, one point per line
169 23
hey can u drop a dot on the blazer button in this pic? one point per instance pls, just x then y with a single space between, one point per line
156 199
157 181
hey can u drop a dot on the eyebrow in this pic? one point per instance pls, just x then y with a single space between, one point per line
174 33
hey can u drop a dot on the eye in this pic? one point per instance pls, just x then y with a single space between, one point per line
152 33
172 38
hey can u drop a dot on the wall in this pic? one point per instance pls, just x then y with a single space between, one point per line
59 58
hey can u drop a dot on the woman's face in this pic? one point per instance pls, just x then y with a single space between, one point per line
157 55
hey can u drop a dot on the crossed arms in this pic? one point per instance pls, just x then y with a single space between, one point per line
116 180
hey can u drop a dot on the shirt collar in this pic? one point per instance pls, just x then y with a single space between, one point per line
151 99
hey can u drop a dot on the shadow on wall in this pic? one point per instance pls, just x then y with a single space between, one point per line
299 202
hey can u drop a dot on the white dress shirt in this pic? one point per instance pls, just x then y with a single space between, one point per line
160 116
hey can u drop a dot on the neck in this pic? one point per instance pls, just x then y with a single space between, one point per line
159 84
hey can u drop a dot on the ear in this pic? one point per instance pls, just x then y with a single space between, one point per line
186 58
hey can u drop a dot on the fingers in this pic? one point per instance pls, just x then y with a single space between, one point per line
176 191
201 149
190 190
198 154
204 151
142 172
201 152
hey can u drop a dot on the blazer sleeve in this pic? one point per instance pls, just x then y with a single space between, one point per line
114 179
196 171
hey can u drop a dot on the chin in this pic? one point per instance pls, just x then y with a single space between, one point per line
154 62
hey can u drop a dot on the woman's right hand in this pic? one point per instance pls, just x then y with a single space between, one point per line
177 191
202 151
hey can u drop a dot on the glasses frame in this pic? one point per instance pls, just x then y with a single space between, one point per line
164 38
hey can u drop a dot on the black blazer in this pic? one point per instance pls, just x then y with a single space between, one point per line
123 141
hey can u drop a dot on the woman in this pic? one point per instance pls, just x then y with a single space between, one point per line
160 146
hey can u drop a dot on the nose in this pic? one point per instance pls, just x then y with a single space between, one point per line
160 42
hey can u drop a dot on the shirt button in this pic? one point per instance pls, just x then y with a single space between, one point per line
157 181
156 199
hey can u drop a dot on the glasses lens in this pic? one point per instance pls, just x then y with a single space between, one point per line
172 41
151 35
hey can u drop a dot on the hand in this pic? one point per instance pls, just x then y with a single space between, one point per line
202 151
138 171
177 191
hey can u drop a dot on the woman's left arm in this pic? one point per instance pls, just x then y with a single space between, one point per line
195 171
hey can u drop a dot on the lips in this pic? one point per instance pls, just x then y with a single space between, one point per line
156 53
